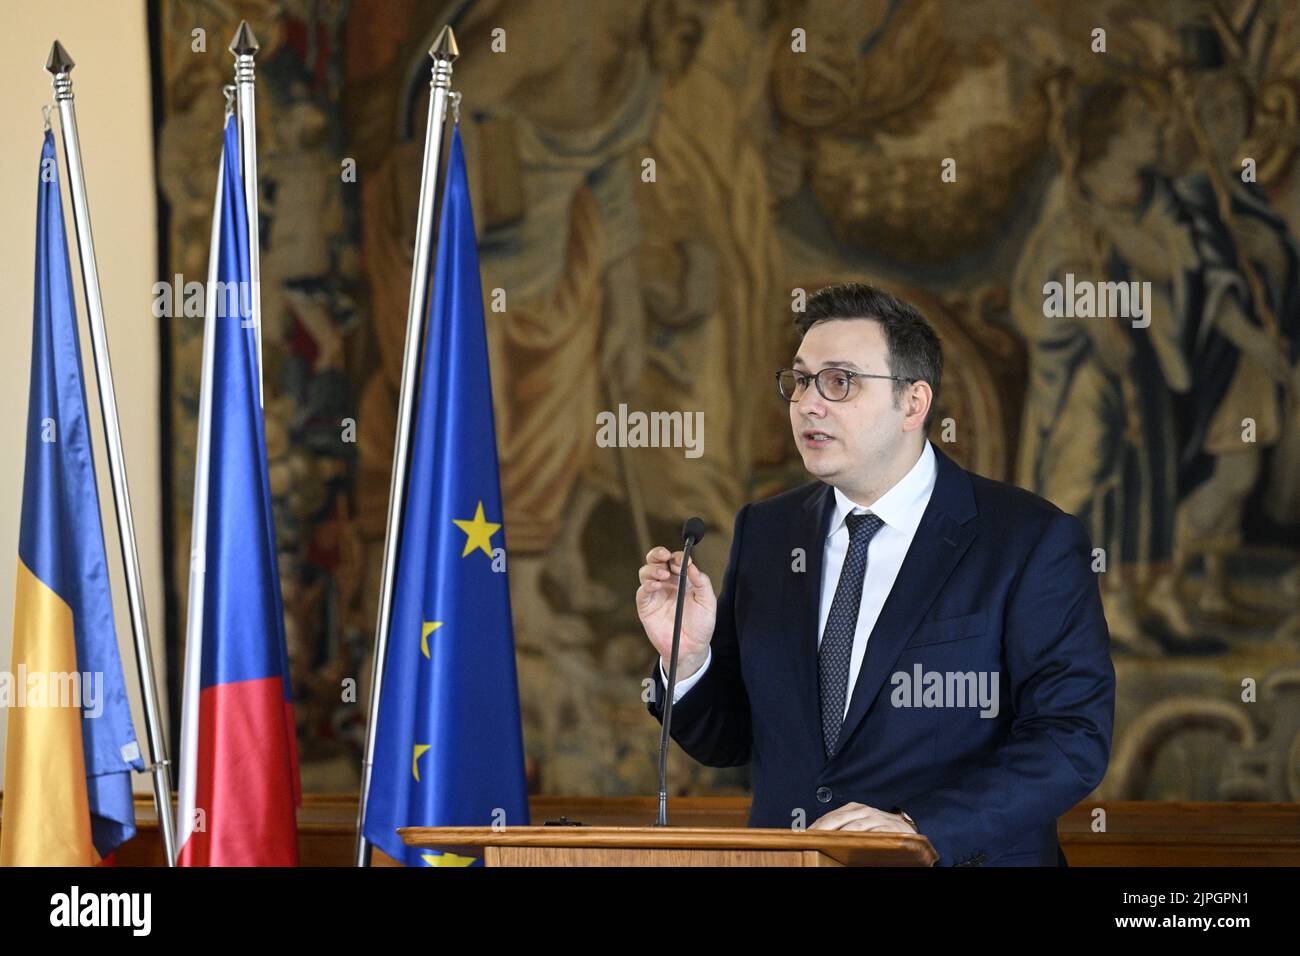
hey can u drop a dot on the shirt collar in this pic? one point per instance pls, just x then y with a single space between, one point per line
902 506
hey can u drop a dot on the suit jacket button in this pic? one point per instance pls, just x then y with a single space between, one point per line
824 794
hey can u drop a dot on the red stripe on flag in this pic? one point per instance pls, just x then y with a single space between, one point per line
247 783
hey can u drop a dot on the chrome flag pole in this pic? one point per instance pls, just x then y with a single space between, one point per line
244 47
444 53
60 65
189 734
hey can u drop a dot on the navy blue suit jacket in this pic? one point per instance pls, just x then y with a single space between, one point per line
996 580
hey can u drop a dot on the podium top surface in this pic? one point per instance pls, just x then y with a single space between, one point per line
853 848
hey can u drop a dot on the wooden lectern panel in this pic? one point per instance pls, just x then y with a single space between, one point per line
675 846
602 856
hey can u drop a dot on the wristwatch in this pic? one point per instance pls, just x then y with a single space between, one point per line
910 822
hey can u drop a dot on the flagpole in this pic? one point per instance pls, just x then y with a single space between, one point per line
244 47
199 525
60 65
444 53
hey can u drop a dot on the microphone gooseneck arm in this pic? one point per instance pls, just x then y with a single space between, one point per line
692 532
662 821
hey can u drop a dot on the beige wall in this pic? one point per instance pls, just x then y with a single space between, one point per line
110 44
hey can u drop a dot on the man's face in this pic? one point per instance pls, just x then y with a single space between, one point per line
848 443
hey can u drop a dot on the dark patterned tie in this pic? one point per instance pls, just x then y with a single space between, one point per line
837 641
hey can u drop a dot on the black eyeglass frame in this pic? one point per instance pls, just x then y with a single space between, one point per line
817 380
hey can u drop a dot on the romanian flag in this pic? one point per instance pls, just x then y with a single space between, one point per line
239 785
70 743
448 744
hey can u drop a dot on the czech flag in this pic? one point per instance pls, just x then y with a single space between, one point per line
71 746
239 783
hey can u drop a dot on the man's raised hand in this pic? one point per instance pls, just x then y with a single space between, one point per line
656 605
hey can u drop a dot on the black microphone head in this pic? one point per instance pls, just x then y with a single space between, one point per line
693 530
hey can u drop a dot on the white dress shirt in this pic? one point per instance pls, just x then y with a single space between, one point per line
900 508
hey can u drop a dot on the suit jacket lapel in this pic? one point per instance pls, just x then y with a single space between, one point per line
801 606
939 543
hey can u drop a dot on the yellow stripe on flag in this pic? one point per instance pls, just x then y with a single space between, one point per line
46 810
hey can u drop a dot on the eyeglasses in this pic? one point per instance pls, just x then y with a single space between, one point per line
834 384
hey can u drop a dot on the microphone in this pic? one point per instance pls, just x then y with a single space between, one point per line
692 532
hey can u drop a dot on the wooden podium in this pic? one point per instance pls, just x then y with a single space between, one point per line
673 846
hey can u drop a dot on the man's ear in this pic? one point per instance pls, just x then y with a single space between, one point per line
919 399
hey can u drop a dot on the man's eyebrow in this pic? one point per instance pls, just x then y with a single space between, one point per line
833 363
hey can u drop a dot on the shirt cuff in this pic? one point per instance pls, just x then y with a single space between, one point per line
686 684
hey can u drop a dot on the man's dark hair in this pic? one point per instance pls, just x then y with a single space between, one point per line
914 349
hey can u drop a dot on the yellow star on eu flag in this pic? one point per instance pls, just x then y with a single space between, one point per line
417 752
447 859
478 533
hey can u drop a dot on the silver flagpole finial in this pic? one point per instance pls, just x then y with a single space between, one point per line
244 43
59 61
444 45
244 47
60 65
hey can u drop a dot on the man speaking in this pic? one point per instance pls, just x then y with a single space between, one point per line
899 645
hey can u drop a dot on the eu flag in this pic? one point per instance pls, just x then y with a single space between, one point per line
71 746
448 745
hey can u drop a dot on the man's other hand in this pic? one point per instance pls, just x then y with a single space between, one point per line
859 816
